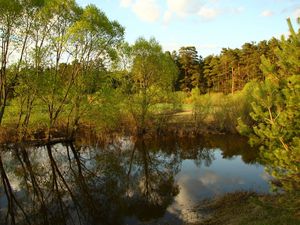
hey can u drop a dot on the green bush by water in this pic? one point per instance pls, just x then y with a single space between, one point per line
223 111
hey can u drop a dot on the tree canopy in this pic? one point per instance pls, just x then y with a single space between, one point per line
276 111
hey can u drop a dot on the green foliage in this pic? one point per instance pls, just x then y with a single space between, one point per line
276 111
234 68
190 69
178 99
223 111
228 109
153 75
201 107
211 72
104 109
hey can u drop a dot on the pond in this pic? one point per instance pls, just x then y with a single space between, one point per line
125 182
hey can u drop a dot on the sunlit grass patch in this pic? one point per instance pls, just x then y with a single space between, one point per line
248 208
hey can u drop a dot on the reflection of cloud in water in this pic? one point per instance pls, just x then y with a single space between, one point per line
193 189
209 178
185 202
186 215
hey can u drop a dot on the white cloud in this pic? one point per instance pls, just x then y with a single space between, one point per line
237 10
125 3
297 13
208 13
267 13
147 10
167 17
184 7
150 10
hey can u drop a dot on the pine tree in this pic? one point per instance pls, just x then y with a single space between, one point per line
189 64
276 111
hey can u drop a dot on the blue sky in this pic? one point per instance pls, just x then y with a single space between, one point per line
208 25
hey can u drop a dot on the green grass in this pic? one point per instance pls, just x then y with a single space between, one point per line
38 117
187 107
244 208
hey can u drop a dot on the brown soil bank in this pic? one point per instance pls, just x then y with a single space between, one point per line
247 208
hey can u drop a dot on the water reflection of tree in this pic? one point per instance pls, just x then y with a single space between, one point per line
205 156
151 185
13 203
232 146
69 184
65 184
229 145
58 190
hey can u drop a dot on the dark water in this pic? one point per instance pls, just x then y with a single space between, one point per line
126 182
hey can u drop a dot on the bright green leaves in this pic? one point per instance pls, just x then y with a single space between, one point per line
152 67
10 8
93 35
289 56
62 54
95 21
276 111
92 44
60 9
152 74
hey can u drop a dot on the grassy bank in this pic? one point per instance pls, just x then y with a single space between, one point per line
181 114
191 115
247 208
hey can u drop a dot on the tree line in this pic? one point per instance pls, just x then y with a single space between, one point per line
227 72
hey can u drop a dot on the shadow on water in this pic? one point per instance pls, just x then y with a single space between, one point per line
127 182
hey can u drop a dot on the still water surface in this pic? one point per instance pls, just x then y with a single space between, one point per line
126 182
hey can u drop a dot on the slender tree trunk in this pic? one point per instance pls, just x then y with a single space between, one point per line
232 80
2 108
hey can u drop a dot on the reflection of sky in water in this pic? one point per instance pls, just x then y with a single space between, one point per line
222 176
